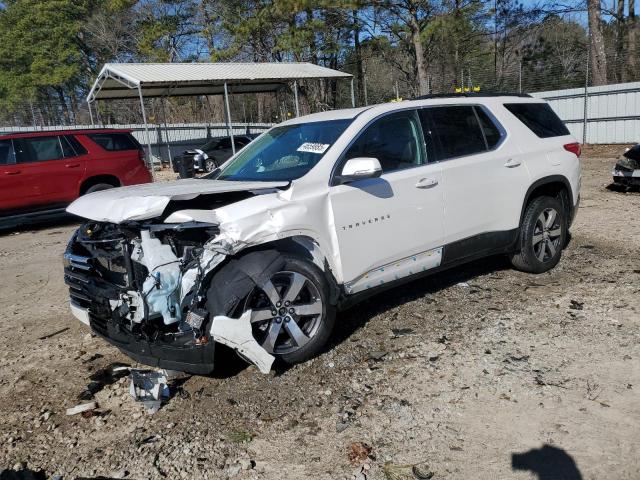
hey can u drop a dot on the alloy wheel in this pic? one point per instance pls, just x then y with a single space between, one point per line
210 165
286 312
547 235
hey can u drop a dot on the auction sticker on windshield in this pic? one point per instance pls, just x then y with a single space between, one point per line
313 147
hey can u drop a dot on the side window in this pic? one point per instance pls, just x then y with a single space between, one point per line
539 118
38 149
455 131
491 132
78 148
395 140
114 142
7 156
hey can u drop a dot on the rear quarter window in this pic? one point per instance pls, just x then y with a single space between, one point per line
539 118
115 142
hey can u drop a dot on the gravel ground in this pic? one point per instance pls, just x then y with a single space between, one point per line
481 372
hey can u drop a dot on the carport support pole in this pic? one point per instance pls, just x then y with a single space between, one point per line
166 132
146 129
353 95
295 95
229 129
90 113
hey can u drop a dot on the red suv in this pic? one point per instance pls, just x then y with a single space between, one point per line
42 172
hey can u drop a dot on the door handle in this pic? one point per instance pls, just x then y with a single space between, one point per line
72 165
426 183
15 172
511 163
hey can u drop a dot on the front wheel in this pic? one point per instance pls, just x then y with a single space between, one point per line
292 317
543 234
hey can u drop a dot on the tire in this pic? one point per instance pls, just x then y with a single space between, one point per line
543 235
98 187
210 165
297 337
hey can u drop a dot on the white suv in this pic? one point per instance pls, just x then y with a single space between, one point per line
314 215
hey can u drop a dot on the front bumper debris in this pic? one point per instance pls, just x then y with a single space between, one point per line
627 178
151 301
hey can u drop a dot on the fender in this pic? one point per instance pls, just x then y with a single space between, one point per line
546 181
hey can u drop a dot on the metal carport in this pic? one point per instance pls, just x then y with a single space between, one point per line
139 80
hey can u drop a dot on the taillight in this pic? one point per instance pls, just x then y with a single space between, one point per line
573 148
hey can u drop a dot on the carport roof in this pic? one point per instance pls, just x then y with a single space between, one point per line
122 80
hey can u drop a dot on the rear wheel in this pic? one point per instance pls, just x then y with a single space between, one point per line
291 315
210 165
543 235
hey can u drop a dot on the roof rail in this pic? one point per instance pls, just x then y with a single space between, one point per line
472 95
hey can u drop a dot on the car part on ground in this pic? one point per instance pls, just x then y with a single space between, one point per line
626 172
149 388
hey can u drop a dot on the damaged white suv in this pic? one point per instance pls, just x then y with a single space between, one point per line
312 216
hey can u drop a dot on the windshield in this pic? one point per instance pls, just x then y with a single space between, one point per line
284 153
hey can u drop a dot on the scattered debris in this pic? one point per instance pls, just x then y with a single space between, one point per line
418 471
358 452
377 355
85 407
149 387
45 337
239 436
576 305
400 332
462 285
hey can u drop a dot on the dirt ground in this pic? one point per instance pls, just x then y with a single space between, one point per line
482 372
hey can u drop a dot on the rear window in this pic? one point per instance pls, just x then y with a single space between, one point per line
540 119
115 142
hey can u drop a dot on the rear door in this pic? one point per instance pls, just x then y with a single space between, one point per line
483 176
50 170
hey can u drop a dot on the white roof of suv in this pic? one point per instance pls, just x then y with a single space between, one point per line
348 113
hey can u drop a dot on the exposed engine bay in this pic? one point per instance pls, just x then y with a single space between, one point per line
146 288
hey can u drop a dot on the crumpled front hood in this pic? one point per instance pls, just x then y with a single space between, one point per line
142 202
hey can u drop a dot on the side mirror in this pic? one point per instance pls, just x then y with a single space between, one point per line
359 169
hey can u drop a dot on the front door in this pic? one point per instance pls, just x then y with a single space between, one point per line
392 226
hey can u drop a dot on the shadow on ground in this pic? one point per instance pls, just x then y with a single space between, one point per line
9 227
548 463
349 321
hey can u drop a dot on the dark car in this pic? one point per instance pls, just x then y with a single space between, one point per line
42 172
213 153
626 173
